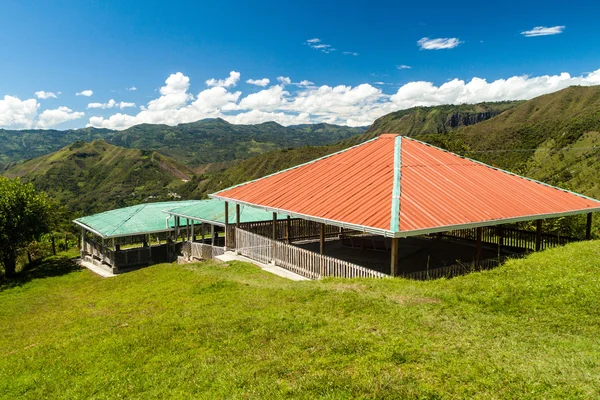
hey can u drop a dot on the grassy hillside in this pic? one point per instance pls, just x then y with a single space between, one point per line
527 330
193 144
433 120
92 177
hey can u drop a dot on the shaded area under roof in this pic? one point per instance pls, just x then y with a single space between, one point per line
213 211
397 186
135 220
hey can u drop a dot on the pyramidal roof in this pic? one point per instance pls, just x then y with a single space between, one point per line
397 186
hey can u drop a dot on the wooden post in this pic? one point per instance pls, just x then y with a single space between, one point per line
176 228
238 217
274 236
538 235
394 259
54 245
500 233
193 232
588 229
288 228
202 231
226 222
322 237
212 234
478 246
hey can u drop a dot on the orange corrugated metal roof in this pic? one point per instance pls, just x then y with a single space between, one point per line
398 186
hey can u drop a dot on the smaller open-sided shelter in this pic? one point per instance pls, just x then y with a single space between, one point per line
122 239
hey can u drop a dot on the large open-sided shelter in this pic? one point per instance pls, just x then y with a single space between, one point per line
398 187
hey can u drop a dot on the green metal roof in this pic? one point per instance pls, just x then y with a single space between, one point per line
213 211
134 220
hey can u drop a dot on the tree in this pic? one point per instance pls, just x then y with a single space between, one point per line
24 216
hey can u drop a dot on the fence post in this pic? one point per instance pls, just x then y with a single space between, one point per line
479 233
538 235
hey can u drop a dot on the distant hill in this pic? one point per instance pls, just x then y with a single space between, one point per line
93 177
418 121
194 144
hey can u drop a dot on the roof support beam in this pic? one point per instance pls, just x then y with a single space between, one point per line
274 235
322 238
538 235
226 223
478 246
588 228
394 258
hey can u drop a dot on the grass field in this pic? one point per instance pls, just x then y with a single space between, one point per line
529 329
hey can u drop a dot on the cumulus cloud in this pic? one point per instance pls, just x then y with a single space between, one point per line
131 89
45 95
111 104
350 53
544 31
16 113
296 103
51 118
437 44
403 66
86 93
259 82
305 83
232 80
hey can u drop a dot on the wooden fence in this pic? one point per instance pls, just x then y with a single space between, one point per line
454 270
295 230
303 262
510 237
122 259
200 251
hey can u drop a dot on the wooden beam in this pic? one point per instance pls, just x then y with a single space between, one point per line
322 237
394 258
288 228
538 235
588 228
478 246
226 222
238 216
274 236
193 232
212 234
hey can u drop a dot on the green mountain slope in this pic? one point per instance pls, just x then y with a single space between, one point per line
193 144
418 121
93 177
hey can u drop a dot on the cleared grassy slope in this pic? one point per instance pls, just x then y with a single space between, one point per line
526 330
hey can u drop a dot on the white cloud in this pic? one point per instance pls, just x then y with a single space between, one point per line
259 82
284 80
232 80
544 31
294 103
131 89
86 93
111 104
51 118
403 66
16 113
437 44
316 44
45 95
350 53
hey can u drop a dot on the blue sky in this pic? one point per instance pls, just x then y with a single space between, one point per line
352 74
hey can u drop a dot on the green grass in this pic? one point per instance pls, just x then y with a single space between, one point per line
529 329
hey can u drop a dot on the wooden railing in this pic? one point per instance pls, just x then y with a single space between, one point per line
510 237
301 261
200 251
118 259
453 270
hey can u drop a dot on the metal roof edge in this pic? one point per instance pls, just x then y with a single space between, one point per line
532 217
89 228
208 221
505 171
341 224
291 168
396 187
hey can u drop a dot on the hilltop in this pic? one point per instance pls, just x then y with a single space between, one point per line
96 176
528 329
194 144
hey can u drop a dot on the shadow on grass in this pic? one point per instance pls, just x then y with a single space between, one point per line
51 267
